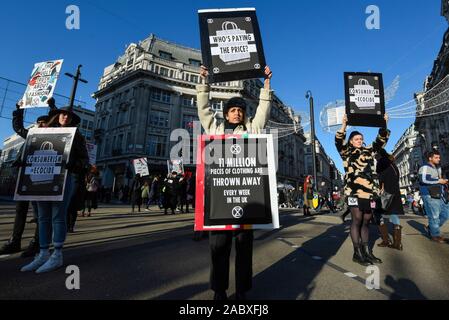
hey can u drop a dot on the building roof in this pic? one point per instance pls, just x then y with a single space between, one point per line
155 45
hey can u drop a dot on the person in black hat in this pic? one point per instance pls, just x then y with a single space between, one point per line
13 245
53 214
237 122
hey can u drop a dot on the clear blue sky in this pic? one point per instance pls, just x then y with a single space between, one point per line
308 44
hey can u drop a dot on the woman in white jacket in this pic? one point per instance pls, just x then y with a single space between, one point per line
235 121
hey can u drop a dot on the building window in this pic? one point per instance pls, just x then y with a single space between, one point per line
161 95
119 142
156 146
163 72
129 141
165 55
217 105
194 62
188 101
159 119
107 147
194 78
188 120
84 123
91 125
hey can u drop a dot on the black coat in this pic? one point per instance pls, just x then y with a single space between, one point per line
389 178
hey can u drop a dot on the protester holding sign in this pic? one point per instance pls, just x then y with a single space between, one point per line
360 187
14 244
53 214
236 122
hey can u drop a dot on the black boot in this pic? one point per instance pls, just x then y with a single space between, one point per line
359 257
370 254
10 247
32 250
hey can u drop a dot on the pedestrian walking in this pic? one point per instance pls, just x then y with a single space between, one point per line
181 192
145 194
169 192
135 192
191 190
235 121
431 186
360 187
308 195
92 185
388 175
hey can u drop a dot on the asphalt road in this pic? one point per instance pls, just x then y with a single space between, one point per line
152 256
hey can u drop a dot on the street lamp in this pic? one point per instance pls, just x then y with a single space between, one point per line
312 137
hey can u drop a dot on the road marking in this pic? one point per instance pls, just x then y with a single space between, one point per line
350 275
294 260
295 246
336 267
317 258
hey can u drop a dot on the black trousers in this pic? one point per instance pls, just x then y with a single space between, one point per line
220 248
20 221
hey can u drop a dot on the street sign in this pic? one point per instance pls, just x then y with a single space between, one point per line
236 183
365 101
231 44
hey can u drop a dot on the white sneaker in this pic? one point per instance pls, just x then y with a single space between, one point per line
55 262
38 261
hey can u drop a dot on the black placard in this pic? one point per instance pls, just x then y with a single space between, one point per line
42 178
365 101
231 44
237 189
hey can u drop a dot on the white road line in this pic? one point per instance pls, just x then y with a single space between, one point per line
317 258
350 275
295 246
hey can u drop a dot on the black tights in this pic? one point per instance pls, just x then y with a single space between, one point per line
359 226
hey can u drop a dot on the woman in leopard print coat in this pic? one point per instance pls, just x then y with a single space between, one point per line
360 185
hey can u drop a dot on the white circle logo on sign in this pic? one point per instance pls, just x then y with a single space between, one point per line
236 149
237 212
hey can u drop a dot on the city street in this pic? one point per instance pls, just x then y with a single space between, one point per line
152 256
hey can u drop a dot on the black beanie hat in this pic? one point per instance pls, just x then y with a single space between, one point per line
234 102
42 118
353 134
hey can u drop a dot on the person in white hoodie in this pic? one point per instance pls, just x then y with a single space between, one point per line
235 122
